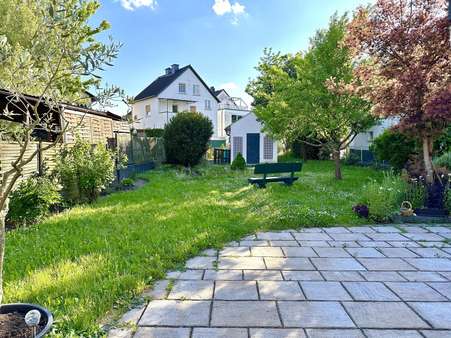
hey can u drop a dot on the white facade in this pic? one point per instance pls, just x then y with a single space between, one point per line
241 133
156 111
363 140
229 110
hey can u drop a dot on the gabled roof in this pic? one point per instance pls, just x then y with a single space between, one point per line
217 92
164 81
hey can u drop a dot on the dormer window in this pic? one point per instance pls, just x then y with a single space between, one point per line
182 88
207 105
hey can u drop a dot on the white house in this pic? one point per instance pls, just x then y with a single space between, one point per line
247 138
179 89
361 143
230 109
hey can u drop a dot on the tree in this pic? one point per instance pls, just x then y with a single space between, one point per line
309 103
186 138
394 147
48 55
402 48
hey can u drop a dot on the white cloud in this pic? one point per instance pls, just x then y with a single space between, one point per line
131 5
238 8
222 7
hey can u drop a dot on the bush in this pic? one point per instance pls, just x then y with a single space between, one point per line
186 138
443 161
31 200
384 199
84 171
394 147
128 182
238 163
155 132
416 193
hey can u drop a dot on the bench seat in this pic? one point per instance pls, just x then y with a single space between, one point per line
275 168
286 179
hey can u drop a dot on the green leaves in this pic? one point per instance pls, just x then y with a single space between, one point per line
309 93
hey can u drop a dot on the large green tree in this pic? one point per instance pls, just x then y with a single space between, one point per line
306 100
47 49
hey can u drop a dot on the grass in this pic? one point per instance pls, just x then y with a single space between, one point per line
91 261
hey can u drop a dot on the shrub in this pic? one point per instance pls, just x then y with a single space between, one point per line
31 200
416 193
394 147
238 163
127 182
443 161
186 138
84 171
155 132
384 198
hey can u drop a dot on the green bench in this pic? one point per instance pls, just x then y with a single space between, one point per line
275 168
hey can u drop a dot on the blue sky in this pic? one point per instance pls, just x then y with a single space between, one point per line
222 39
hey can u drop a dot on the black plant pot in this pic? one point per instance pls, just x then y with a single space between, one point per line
23 308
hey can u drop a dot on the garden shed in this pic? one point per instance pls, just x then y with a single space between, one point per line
247 138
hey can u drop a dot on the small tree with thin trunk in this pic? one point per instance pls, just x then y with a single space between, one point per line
404 56
306 99
48 55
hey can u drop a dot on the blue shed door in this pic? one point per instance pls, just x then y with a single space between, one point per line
253 148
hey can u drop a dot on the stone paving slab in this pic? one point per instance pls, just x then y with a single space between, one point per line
369 281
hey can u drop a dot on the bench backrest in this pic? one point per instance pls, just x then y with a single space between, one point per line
272 168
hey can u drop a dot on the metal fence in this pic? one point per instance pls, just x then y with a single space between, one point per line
142 153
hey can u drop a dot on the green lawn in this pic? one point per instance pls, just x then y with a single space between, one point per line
86 262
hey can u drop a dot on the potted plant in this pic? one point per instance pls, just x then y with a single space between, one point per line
47 56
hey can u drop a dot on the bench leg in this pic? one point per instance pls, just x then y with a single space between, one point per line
262 185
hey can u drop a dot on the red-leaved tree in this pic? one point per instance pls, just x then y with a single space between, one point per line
404 65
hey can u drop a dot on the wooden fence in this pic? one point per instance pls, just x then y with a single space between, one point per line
10 151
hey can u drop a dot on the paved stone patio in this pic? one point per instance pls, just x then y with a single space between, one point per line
379 281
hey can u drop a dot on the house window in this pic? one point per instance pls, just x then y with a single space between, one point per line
175 108
135 117
237 146
192 109
182 88
235 118
147 109
196 90
370 136
207 105
268 148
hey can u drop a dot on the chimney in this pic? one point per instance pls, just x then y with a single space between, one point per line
167 71
213 89
174 68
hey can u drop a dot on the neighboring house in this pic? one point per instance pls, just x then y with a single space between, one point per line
179 89
230 109
247 138
361 143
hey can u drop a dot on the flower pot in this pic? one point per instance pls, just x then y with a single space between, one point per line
22 308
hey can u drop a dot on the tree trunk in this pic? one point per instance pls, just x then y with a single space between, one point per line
427 158
336 156
3 213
